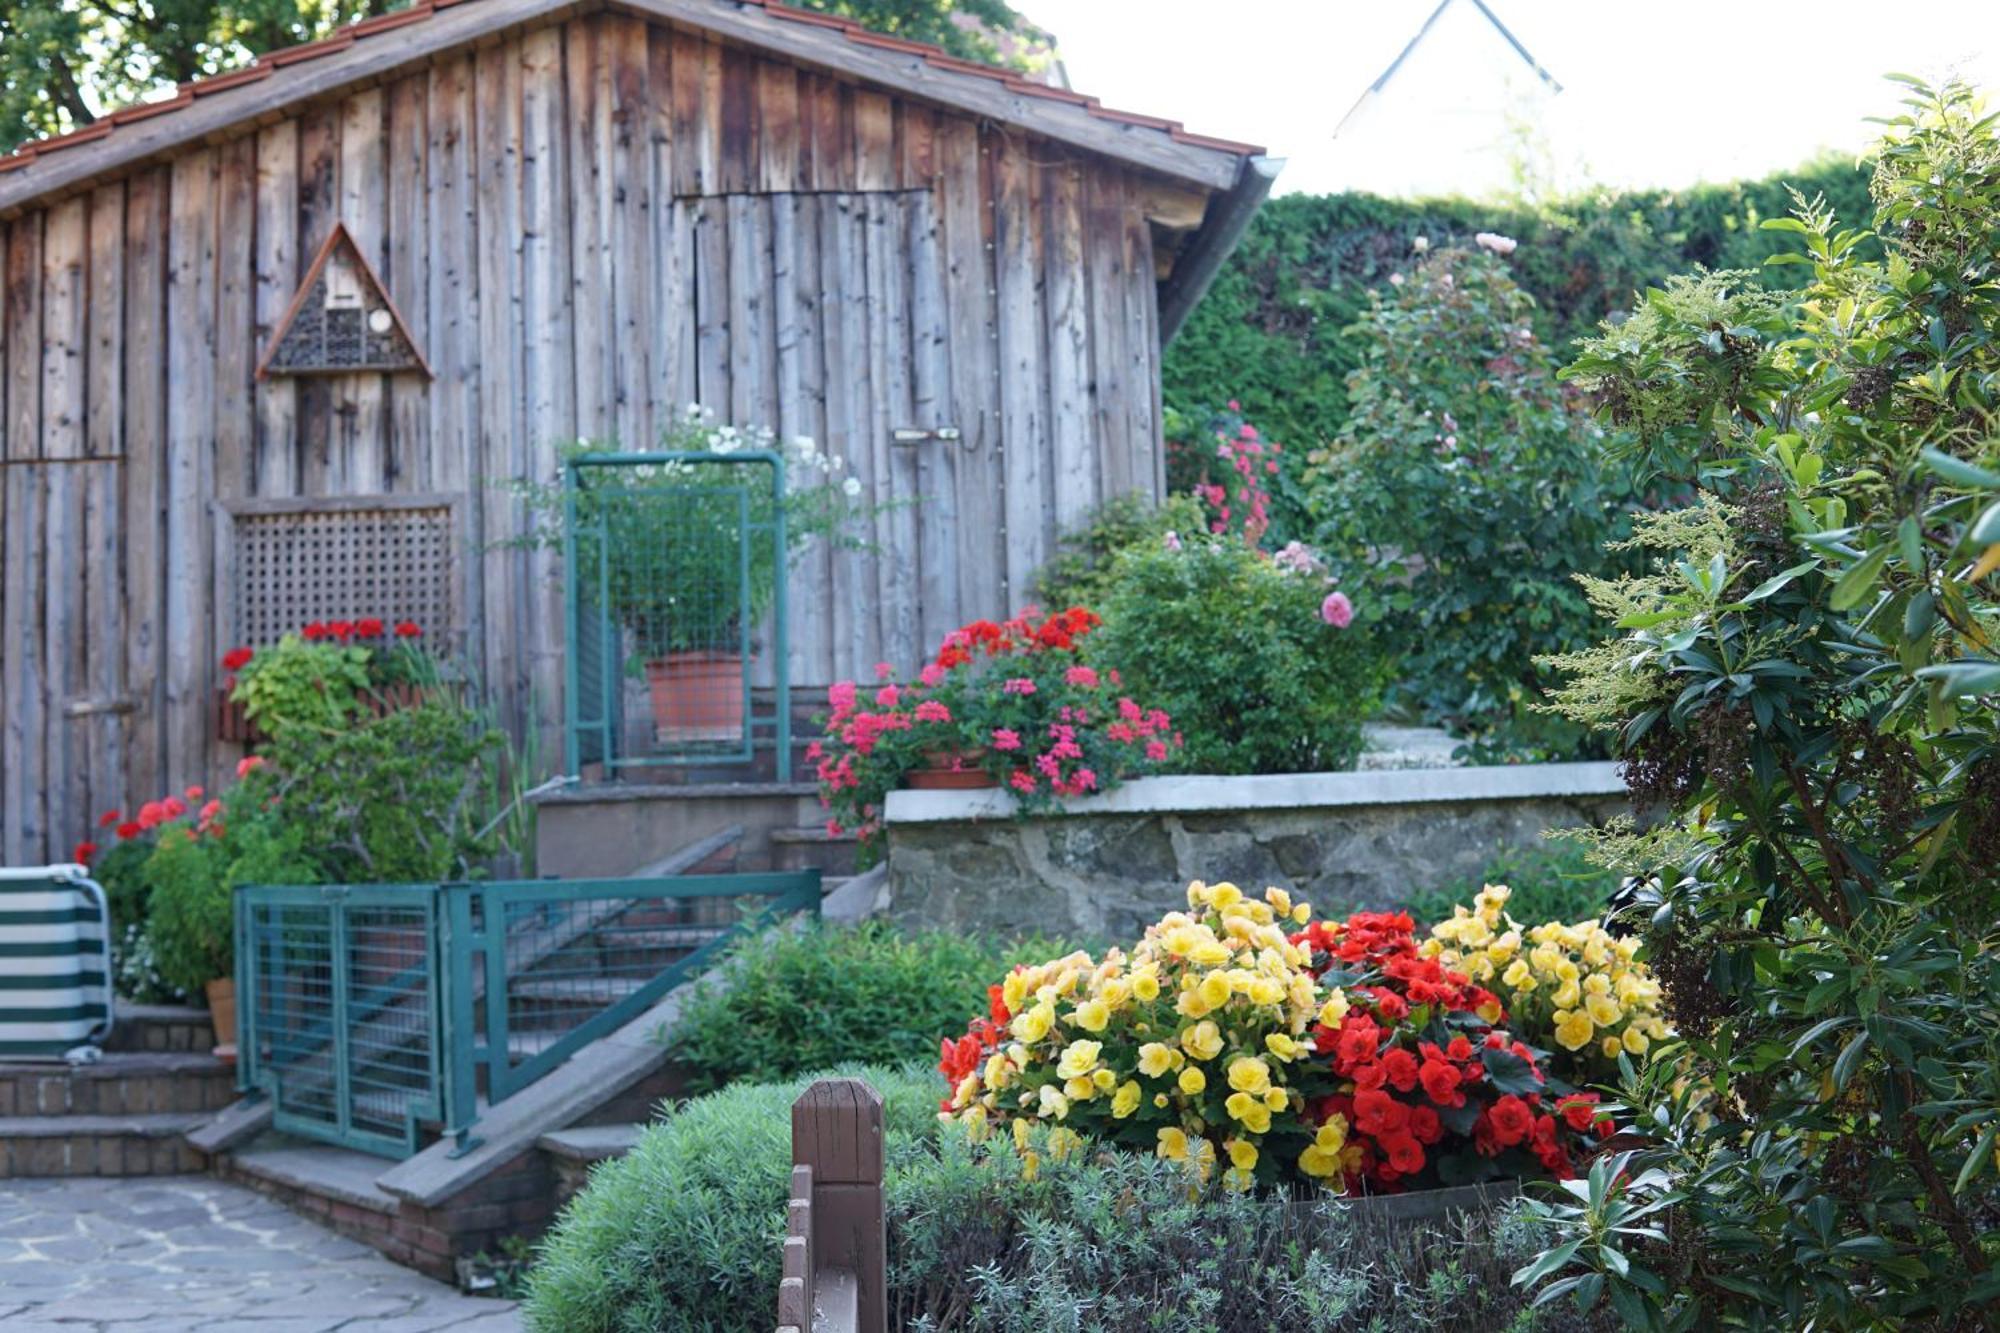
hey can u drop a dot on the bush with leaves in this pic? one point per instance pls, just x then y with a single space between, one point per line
1079 573
804 999
1807 681
1465 495
1262 667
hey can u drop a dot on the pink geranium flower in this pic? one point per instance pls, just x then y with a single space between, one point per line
930 710
1020 685
1023 781
1081 676
1003 739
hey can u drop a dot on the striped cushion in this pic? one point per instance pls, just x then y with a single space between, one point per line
54 994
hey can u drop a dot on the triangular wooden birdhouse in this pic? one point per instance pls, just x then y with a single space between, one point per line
341 320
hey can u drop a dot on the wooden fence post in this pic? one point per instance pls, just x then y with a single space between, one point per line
837 1243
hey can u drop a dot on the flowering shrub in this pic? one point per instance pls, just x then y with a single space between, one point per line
1256 654
1187 1048
1432 1090
1465 494
1015 699
1228 468
320 675
1337 1053
1577 986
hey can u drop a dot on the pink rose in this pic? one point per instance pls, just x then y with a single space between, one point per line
1336 610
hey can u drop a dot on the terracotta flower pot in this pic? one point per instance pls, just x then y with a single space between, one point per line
697 696
949 770
221 994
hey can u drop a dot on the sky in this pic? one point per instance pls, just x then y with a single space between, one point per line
1655 92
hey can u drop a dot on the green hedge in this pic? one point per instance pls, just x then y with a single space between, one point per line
1269 334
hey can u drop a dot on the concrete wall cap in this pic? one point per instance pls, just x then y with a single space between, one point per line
1278 791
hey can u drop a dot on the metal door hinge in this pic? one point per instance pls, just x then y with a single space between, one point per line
913 435
92 706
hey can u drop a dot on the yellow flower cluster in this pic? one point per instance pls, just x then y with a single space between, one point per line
1578 985
1185 1044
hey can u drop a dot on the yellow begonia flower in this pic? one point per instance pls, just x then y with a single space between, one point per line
1317 1162
1053 1103
1242 1154
1224 895
1104 1078
1568 995
1092 1015
1636 1041
1203 1041
1192 1081
1155 1059
1033 1024
1611 1046
1574 1030
1115 991
1603 1010
1281 902
1302 913
1517 974
1173 1144
1080 1089
1125 1101
1145 986
1249 1074
1335 1009
1266 990
1251 1113
1079 1058
1214 990
1209 953
1013 991
1276 1098
1281 1045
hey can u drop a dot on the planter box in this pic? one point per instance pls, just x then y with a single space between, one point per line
1432 1205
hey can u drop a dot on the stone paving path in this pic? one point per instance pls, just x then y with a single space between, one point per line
175 1254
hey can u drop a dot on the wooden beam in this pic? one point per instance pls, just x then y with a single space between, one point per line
1174 207
1228 218
910 75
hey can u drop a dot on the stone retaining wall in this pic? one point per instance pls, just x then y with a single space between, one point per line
1107 866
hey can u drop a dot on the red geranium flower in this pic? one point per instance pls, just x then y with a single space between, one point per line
237 658
407 629
108 819
83 852
130 830
370 628
314 632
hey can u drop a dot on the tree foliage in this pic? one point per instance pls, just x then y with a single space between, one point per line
1807 683
63 65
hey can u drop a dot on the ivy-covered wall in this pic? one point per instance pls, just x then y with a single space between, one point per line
1270 332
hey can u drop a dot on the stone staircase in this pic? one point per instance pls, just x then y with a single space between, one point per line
124 1115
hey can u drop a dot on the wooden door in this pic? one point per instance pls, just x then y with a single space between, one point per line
825 314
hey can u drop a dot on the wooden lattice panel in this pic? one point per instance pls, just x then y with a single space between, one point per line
296 566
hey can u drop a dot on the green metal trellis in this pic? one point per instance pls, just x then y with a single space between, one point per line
674 565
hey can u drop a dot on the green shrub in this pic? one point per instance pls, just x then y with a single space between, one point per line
685 1232
1079 573
1552 880
1466 494
811 998
1232 644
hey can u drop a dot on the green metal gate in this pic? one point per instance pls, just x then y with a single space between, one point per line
376 1015
673 565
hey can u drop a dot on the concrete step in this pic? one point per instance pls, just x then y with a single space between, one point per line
160 1027
98 1145
813 848
594 992
121 1083
573 1152
289 1166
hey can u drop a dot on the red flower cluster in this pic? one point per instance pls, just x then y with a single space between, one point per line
1010 697
982 1037
362 630
154 815
1425 1072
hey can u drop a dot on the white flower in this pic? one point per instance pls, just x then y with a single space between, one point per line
1395 279
851 487
1494 241
1421 244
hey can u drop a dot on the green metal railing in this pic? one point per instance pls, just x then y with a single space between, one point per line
673 566
373 1016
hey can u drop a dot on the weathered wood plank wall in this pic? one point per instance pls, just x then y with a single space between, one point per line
586 226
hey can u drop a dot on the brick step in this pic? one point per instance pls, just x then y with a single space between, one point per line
99 1145
574 1151
161 1027
122 1083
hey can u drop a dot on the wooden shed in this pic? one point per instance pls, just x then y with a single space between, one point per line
556 220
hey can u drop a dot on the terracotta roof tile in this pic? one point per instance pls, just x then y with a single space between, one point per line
272 61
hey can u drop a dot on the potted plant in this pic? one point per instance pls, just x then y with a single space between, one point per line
194 869
323 673
1011 704
678 551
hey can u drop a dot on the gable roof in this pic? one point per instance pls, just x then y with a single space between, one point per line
1382 80
377 48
